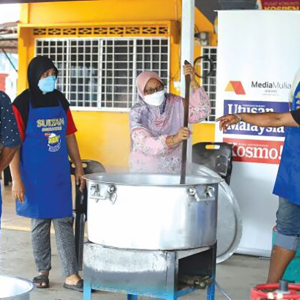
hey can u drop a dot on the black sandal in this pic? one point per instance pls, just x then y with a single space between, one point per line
41 282
75 287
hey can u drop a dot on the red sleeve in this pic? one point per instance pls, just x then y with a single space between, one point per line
20 122
71 128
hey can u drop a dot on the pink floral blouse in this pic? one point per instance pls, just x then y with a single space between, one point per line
149 151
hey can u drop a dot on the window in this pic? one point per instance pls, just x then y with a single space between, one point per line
100 73
209 83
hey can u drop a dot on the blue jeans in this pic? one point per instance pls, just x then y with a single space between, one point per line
288 225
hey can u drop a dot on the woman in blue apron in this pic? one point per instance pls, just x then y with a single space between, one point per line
287 186
41 170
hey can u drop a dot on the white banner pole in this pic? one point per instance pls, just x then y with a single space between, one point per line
187 49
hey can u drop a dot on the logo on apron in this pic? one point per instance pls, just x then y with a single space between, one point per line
54 142
297 100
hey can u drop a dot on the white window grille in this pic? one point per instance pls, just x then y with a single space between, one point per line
100 73
209 83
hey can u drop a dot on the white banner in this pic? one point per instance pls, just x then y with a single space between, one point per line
258 56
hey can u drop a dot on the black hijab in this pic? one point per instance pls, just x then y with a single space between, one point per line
38 66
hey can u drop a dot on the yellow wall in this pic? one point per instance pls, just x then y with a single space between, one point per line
104 11
104 136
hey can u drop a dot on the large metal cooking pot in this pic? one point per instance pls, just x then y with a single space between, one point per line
152 211
229 229
14 288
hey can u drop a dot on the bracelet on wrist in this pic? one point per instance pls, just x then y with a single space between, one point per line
238 116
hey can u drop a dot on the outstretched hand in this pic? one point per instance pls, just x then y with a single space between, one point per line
226 121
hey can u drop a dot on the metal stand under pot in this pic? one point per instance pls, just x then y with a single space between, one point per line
159 274
151 236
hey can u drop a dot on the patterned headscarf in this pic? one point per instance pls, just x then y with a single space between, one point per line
142 80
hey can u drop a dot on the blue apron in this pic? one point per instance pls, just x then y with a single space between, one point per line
287 183
44 165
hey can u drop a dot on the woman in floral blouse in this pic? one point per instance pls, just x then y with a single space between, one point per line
156 122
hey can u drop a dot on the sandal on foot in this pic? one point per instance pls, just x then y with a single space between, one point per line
75 287
41 282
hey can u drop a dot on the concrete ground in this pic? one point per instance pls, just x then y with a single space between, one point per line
236 276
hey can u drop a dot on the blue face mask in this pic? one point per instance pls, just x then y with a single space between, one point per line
47 85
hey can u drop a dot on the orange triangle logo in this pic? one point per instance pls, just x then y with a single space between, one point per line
235 86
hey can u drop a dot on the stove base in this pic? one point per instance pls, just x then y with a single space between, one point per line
156 274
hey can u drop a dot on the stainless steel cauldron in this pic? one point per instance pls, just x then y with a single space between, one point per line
15 288
152 211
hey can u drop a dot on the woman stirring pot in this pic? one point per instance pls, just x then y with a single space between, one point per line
156 123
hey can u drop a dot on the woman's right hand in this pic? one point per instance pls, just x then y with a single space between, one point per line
182 134
18 190
227 120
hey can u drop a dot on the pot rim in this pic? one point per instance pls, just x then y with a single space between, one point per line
32 287
208 179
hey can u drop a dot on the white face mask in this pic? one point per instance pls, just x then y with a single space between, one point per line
155 99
